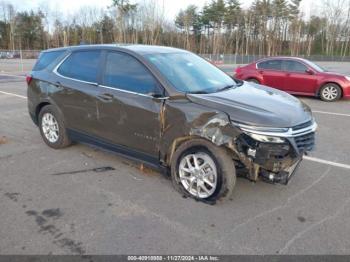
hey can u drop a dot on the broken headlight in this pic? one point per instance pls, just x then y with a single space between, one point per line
266 139
264 134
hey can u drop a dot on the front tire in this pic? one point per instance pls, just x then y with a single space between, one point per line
202 170
330 92
52 128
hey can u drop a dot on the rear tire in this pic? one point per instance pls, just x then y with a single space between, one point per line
211 179
330 92
52 128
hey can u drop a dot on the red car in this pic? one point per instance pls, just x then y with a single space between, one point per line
296 76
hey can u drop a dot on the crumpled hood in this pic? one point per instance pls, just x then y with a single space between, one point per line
257 105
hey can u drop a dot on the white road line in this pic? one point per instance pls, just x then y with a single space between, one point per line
318 160
1 74
330 113
11 94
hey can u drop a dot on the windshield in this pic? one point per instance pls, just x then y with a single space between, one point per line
190 73
315 66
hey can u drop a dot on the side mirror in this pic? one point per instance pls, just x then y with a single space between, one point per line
309 71
158 93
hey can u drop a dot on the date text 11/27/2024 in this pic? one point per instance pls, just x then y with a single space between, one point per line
174 258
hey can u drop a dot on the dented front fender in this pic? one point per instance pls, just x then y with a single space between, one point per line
183 120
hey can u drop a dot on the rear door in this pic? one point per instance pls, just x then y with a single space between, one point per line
272 73
75 88
129 115
299 81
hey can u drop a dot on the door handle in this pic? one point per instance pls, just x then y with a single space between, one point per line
106 97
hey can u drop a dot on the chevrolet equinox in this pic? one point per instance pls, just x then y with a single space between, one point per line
171 109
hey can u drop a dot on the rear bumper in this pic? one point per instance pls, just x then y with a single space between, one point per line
31 111
32 116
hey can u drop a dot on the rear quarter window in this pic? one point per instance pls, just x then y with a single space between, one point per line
45 59
270 65
81 65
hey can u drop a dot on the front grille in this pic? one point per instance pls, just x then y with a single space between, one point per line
305 142
301 126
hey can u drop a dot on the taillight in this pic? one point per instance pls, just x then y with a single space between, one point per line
29 79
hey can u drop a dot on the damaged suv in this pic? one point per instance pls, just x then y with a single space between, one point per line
170 109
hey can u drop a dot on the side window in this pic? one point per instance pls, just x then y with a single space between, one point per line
270 65
46 58
294 66
125 72
81 65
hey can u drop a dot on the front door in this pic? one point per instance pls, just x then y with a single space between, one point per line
129 115
299 79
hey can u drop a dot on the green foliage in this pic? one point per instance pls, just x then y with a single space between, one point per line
189 20
267 27
29 29
233 13
4 31
124 6
213 14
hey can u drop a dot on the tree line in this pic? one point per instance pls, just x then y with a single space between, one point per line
266 27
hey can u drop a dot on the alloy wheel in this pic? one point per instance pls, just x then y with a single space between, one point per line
330 92
50 127
198 174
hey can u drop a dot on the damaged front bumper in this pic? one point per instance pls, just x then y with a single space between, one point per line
281 177
274 156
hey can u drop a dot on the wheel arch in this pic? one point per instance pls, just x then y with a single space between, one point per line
181 140
189 121
42 104
255 78
175 145
329 82
38 109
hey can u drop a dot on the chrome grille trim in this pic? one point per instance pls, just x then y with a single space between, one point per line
305 142
289 133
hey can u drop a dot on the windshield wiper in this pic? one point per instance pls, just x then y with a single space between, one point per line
198 92
225 88
239 82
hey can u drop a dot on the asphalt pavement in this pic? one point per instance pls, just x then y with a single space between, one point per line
61 202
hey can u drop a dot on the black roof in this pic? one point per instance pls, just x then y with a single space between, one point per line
140 49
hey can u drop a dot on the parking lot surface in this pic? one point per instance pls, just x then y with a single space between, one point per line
60 202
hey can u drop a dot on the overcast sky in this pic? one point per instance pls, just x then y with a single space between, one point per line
171 6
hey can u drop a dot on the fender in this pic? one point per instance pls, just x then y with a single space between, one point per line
41 104
38 93
183 120
328 81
